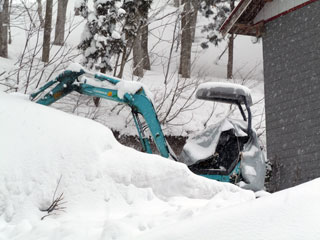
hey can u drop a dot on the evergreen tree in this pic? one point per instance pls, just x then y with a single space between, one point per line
136 33
218 11
111 28
135 15
101 37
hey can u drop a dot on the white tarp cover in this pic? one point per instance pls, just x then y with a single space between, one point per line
204 144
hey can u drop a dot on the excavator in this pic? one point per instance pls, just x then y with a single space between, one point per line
226 142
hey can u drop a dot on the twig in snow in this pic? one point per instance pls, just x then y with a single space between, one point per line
56 204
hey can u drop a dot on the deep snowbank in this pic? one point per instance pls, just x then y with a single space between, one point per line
111 191
114 192
291 214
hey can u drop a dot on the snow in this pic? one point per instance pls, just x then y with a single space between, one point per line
289 214
114 192
117 190
127 87
116 35
132 87
121 11
75 67
203 145
79 3
227 88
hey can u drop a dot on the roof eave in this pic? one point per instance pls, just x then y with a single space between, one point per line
234 16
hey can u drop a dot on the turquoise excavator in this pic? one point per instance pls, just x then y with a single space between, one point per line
228 141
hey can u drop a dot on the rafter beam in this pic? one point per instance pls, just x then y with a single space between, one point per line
237 12
255 30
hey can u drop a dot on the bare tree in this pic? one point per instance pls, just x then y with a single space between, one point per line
186 41
137 55
137 24
47 32
144 43
39 11
9 24
4 23
60 24
29 71
230 49
194 15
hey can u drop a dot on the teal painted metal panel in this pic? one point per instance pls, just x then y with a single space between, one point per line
225 178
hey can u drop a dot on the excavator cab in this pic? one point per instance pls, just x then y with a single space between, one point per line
217 152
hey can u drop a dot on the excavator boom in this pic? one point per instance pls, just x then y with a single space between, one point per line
68 81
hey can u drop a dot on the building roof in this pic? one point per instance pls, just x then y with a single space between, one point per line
241 20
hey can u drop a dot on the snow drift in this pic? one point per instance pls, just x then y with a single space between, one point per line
114 192
110 191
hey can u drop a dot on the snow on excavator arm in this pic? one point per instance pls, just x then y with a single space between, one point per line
139 103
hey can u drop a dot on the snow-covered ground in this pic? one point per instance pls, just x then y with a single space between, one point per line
114 192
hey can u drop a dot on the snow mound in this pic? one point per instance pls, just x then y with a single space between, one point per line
110 191
292 214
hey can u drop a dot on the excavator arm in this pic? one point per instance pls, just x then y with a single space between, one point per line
68 81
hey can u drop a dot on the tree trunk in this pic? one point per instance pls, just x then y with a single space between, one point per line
176 3
61 21
137 55
186 41
230 57
194 15
96 100
4 23
144 44
9 24
39 10
123 62
47 32
230 50
125 55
